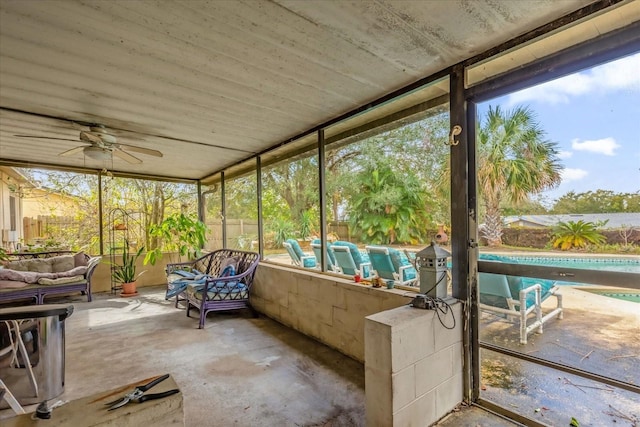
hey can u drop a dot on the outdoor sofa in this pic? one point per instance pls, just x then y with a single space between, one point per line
35 278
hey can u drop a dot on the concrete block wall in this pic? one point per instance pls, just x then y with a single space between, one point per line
329 308
413 366
154 274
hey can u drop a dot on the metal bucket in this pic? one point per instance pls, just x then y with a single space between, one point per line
41 330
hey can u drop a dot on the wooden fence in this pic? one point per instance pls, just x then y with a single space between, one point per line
40 228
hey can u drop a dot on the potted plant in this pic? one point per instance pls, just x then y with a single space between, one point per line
125 273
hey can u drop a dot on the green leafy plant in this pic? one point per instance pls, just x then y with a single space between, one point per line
578 234
3 254
178 233
306 224
282 229
126 272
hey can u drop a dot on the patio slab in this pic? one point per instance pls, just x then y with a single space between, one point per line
598 334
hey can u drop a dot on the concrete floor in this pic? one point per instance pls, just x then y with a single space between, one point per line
245 371
237 371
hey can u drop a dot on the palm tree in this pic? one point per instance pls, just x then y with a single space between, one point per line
514 161
576 234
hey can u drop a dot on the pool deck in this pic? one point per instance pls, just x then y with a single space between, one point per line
598 334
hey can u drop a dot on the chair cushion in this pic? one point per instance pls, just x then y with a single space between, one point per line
229 262
219 291
309 263
400 260
355 252
516 284
332 257
296 247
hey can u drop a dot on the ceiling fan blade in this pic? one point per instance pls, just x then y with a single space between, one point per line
126 156
71 152
46 137
90 137
141 150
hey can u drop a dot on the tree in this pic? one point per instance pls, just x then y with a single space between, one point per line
599 201
514 161
389 207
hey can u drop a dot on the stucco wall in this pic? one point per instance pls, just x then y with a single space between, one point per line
326 307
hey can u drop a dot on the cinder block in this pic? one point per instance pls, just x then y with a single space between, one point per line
331 336
403 385
446 337
280 295
377 347
341 300
448 395
355 348
326 293
457 352
377 398
392 300
421 412
411 344
320 312
257 302
289 317
307 324
316 289
434 370
364 304
271 309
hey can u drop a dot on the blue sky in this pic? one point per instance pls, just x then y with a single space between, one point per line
594 116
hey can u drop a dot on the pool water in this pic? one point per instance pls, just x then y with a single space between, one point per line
625 296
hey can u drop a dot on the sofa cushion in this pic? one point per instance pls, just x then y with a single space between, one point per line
80 259
23 276
61 280
19 265
61 263
77 271
12 284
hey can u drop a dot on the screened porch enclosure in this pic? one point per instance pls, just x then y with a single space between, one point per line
395 168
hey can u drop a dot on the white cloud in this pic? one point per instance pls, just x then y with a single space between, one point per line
606 146
569 174
564 154
617 75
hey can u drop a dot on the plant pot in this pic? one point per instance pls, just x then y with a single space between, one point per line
129 289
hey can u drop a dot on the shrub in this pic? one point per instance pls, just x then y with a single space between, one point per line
578 234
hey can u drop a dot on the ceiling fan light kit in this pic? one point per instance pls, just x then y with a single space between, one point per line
97 153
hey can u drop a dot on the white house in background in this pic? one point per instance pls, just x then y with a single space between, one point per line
12 186
613 220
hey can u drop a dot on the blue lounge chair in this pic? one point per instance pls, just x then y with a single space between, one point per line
331 259
298 257
350 261
389 264
517 298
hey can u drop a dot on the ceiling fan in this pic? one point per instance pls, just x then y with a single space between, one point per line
101 146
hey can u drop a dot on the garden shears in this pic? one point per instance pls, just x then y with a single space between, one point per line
138 396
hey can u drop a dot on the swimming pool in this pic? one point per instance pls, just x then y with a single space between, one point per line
627 265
